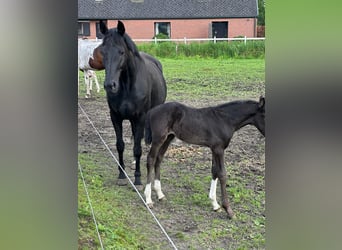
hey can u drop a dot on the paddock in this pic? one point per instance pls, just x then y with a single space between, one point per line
186 215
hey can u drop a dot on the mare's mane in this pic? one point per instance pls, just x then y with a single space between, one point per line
117 39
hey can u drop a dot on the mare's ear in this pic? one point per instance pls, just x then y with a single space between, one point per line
261 102
121 28
103 27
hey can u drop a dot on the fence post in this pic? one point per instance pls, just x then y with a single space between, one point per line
214 39
184 40
155 40
245 40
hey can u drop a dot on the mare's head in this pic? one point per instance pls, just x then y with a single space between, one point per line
117 50
259 117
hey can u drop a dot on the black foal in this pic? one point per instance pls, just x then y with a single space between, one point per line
212 127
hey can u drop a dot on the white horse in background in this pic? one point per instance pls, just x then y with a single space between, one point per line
85 52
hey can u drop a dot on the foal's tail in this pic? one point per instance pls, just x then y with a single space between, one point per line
148 131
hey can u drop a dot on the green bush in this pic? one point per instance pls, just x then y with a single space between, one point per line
232 49
161 36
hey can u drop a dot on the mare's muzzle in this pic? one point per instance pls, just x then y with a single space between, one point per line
112 87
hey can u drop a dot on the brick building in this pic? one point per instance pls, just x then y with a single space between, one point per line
144 19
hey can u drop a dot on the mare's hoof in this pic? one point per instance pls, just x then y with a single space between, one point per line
150 205
122 182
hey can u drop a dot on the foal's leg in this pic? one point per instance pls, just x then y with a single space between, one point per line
138 133
219 171
162 151
120 146
151 160
212 194
152 157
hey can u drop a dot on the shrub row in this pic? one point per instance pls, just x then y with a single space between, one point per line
234 49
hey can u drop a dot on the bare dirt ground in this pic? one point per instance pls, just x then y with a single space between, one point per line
185 175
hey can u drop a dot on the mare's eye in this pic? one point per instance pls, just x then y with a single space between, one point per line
121 52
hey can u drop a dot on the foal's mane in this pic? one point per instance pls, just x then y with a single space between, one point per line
238 107
117 38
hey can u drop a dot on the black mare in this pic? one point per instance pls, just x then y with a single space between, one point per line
212 127
134 83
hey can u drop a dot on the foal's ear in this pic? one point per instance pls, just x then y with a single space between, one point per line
103 27
261 102
121 28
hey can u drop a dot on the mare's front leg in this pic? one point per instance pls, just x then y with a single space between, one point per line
219 171
120 146
138 133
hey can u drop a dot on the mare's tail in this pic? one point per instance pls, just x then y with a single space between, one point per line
148 131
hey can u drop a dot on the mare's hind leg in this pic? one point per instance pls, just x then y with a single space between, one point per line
120 146
162 151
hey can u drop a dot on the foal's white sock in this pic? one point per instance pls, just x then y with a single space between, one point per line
157 188
212 194
147 193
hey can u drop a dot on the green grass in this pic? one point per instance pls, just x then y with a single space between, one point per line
114 223
208 79
213 79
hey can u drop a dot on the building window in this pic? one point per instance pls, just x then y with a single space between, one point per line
219 29
162 28
83 28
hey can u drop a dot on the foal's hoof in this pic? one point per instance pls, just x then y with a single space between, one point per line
150 205
140 187
230 213
122 182
162 199
218 210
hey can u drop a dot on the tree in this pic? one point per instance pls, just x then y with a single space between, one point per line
261 17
